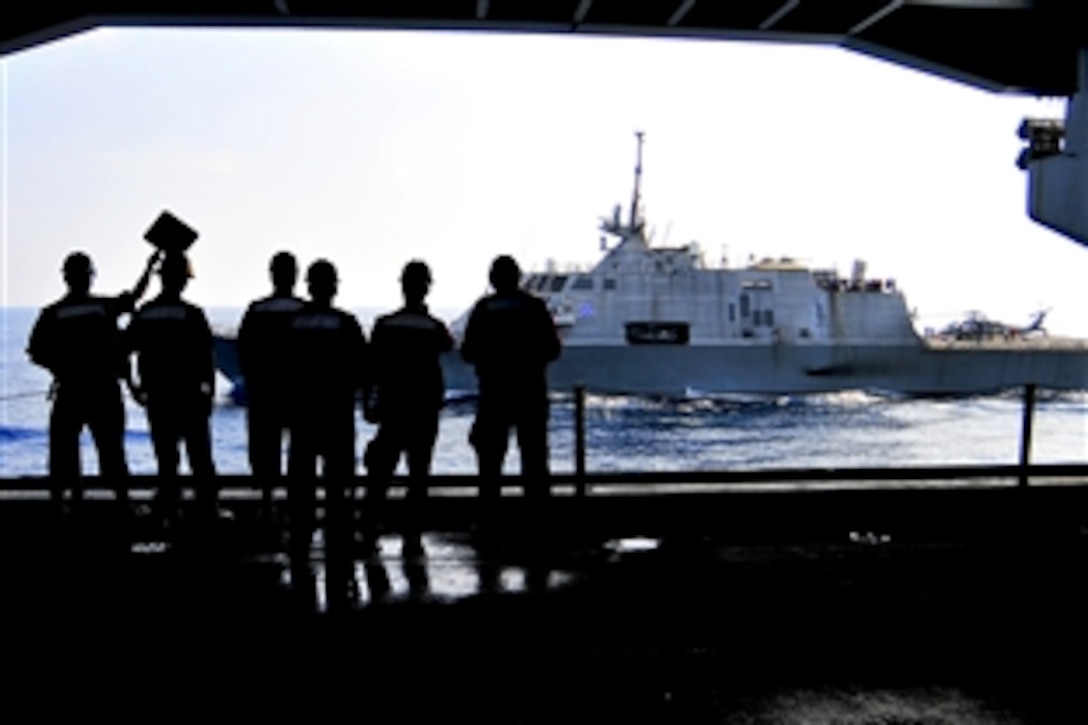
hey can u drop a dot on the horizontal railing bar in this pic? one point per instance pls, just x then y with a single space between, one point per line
876 476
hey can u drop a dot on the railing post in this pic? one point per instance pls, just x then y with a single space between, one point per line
1025 432
579 440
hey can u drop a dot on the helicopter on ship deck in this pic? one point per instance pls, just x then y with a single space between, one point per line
976 326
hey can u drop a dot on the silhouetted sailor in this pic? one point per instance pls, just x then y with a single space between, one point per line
510 338
77 340
328 359
175 367
407 395
263 356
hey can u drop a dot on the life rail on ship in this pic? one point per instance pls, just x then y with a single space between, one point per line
581 482
1007 504
242 487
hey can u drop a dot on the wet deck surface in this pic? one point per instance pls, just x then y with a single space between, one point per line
725 610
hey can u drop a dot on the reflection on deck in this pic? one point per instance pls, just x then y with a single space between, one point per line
643 601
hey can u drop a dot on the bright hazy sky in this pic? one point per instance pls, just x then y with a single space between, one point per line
374 147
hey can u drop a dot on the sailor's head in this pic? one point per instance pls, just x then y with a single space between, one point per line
284 271
505 274
78 272
175 270
322 280
415 280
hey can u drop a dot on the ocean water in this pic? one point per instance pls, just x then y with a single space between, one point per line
624 434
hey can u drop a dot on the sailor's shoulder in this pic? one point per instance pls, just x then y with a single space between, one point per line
328 318
410 319
50 310
90 304
275 304
47 317
482 303
437 323
513 301
531 299
177 310
193 310
385 319
156 306
523 300
348 317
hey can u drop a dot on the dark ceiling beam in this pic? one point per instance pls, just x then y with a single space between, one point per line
783 10
876 17
678 15
580 12
979 4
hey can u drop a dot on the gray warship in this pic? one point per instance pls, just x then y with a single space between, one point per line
657 321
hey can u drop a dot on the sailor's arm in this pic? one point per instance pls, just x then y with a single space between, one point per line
369 360
39 346
244 341
127 300
131 378
207 359
132 382
442 334
549 336
207 382
470 340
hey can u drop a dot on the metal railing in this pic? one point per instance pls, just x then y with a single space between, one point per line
582 482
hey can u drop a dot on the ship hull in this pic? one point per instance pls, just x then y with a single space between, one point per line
781 370
776 369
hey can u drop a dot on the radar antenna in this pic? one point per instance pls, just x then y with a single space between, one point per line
636 222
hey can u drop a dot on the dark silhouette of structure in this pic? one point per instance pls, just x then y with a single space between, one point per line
263 356
175 367
406 395
327 361
77 340
511 338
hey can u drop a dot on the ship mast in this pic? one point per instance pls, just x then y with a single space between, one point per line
635 222
633 229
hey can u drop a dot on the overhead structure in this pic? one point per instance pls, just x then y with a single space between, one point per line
1020 46
1033 47
1056 160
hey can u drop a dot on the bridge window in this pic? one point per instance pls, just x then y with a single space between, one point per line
609 283
582 282
744 306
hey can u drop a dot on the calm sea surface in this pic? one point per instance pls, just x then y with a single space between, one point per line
625 434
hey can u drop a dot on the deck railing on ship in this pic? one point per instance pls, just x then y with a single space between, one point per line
776 502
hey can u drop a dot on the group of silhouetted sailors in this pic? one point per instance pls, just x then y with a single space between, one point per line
306 363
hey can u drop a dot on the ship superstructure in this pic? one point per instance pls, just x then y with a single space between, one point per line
659 321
